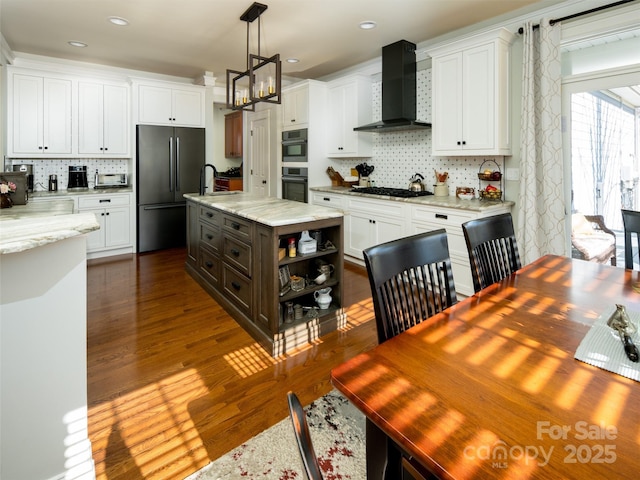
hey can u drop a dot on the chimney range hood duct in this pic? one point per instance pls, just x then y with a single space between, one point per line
398 90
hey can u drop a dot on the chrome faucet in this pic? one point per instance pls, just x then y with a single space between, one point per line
203 176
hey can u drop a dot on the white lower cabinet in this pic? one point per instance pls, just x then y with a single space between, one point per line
429 218
371 222
113 213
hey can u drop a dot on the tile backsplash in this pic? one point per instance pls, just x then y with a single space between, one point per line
42 168
397 156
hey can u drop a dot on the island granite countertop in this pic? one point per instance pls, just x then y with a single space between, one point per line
450 201
24 227
266 210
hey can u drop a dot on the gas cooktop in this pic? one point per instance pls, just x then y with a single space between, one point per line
391 192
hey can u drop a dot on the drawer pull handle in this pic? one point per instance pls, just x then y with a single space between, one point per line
208 264
235 226
442 216
326 199
235 252
209 214
209 236
105 200
235 285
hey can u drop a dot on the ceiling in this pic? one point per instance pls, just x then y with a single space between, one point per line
187 38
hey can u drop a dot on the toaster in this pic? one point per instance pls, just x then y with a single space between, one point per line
111 180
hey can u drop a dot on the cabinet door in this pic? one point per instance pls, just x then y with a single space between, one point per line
41 115
188 108
90 118
27 114
117 231
387 229
479 102
295 107
233 135
336 140
116 120
96 238
447 103
359 233
154 105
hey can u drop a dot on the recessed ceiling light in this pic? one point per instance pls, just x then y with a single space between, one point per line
77 44
121 22
368 25
292 60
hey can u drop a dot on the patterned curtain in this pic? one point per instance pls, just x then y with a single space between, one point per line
541 216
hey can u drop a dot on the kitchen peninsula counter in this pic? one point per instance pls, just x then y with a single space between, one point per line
450 201
236 251
43 340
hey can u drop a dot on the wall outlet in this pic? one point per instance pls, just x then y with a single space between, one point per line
513 174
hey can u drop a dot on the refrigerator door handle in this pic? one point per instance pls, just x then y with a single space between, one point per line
177 164
171 179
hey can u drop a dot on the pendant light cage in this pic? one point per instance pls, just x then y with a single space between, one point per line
262 80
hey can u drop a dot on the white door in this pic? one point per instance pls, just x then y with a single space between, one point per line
260 153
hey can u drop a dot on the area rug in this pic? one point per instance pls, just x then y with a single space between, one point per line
337 430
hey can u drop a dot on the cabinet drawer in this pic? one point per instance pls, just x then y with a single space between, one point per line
382 207
237 253
209 215
328 200
236 225
100 201
237 288
210 266
455 237
442 216
210 236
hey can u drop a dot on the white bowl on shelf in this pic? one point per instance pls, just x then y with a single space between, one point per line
466 196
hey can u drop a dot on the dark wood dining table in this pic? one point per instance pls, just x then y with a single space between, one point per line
490 387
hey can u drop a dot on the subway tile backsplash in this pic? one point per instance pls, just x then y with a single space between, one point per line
397 156
42 168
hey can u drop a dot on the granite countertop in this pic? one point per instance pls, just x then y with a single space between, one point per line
450 201
266 210
24 227
80 191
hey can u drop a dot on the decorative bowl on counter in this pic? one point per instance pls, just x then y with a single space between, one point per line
466 196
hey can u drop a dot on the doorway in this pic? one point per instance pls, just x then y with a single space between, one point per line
602 148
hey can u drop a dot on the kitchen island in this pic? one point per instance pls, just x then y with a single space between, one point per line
236 251
43 342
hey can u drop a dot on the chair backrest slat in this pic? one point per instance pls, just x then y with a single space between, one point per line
411 280
303 438
631 221
492 247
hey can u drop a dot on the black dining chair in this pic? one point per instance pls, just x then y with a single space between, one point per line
303 438
492 248
631 221
411 280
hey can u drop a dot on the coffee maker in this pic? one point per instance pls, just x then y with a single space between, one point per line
77 177
28 169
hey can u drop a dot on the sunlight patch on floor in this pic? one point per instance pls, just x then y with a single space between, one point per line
249 360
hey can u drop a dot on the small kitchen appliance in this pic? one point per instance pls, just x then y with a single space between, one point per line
111 180
53 183
28 169
77 177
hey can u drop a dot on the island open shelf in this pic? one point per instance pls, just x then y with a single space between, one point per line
235 256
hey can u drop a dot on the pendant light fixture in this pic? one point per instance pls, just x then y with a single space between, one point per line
262 80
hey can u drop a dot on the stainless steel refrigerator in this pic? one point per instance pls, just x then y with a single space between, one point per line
168 166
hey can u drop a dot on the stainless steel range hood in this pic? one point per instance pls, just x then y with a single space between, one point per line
398 90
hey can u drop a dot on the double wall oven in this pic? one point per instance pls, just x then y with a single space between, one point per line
295 174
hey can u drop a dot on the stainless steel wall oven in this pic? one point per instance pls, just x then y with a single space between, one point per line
294 146
294 184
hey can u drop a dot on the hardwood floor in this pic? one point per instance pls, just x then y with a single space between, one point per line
174 382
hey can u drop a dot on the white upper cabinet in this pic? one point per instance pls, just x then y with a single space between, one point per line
39 116
349 107
103 119
470 100
165 105
295 106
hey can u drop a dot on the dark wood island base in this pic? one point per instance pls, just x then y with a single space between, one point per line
234 253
